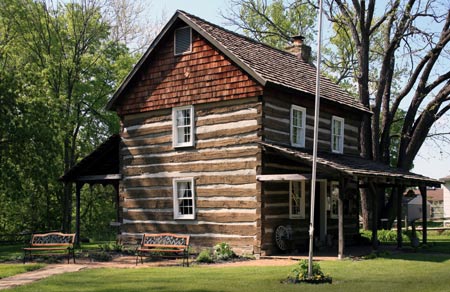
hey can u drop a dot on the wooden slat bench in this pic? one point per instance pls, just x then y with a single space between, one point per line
49 244
162 244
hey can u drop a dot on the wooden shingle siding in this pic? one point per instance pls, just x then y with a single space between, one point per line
202 76
223 162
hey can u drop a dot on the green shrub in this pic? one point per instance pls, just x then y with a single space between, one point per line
100 256
300 273
205 256
223 251
385 236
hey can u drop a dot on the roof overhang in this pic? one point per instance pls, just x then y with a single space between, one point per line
100 166
356 167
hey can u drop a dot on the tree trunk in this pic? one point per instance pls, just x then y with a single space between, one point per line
365 207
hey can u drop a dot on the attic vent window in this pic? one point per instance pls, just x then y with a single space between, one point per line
183 40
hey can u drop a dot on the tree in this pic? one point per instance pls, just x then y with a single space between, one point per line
397 41
64 66
274 23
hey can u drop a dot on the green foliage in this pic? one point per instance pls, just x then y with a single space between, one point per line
205 256
273 22
300 273
385 236
223 252
101 256
58 67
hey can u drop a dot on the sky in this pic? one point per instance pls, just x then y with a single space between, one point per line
430 161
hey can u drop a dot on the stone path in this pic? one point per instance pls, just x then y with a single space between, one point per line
50 270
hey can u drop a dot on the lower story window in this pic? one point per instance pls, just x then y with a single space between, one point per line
183 198
333 199
297 200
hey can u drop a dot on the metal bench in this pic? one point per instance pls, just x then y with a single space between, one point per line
164 245
50 244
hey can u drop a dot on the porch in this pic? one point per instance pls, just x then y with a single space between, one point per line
340 180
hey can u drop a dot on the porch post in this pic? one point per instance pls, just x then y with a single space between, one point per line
373 196
118 219
423 192
79 185
342 187
399 196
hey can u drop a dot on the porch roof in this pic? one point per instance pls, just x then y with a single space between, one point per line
100 166
354 166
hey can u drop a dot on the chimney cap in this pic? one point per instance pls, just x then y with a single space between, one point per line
297 37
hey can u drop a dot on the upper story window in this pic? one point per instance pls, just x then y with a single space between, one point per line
183 40
337 134
298 126
297 200
183 126
183 198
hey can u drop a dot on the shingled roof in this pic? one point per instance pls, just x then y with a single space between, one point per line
353 165
265 64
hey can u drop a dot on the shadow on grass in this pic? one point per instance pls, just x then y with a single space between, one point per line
436 251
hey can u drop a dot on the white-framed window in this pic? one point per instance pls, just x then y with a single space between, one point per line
333 199
298 126
297 200
183 198
337 134
183 126
183 40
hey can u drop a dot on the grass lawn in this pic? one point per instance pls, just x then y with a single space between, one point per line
405 272
8 270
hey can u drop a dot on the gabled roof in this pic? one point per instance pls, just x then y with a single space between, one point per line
265 64
353 165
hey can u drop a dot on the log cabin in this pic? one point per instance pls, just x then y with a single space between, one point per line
216 142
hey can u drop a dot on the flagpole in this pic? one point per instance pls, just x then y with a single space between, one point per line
316 131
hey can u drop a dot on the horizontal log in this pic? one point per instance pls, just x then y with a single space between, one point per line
159 138
184 156
148 193
148 204
227 106
276 124
218 191
207 167
226 204
242 230
148 130
283 177
228 192
147 117
235 243
214 119
218 217
228 132
245 139
276 210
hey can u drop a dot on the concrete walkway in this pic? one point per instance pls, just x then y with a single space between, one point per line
29 277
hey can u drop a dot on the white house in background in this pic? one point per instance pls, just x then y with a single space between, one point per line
413 208
435 198
446 187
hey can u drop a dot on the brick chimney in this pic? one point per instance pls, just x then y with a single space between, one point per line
299 49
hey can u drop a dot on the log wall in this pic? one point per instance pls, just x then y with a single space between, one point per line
276 121
224 163
275 207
